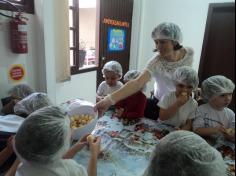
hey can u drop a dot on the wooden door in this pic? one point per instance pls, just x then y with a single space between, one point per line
115 33
218 52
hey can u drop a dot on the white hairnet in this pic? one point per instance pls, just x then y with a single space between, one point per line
20 91
215 86
32 103
169 31
132 74
186 75
183 153
114 67
44 136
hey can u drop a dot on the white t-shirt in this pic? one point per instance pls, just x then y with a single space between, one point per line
206 117
162 71
183 114
61 168
104 89
10 123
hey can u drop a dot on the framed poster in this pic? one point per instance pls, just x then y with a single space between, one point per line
116 39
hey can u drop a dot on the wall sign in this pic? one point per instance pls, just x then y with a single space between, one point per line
116 23
116 39
16 73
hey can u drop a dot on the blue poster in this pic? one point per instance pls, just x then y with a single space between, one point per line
116 39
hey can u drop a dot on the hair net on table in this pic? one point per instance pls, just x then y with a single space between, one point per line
44 136
114 67
215 86
169 31
183 153
132 74
32 103
186 75
20 91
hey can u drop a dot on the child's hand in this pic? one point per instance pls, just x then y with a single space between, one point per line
220 129
229 134
94 146
182 99
119 112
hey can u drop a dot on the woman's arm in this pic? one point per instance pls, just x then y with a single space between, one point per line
12 170
209 131
7 151
128 89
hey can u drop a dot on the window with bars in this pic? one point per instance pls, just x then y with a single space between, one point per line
24 5
82 45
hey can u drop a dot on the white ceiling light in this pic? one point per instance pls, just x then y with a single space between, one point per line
87 3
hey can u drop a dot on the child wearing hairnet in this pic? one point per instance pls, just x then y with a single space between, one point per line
9 124
131 108
178 107
16 93
183 153
42 141
112 72
214 119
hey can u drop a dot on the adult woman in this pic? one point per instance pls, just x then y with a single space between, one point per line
171 55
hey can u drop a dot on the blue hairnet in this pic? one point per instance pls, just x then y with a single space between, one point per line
215 86
32 103
183 153
113 66
169 31
20 91
44 136
186 75
132 74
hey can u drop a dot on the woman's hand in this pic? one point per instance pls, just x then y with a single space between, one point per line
102 106
182 99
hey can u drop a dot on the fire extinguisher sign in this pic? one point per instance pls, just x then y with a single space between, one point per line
16 73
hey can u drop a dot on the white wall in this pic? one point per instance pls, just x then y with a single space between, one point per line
190 15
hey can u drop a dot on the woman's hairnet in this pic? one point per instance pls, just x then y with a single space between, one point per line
44 136
113 66
132 74
186 75
32 103
192 156
215 86
169 31
20 91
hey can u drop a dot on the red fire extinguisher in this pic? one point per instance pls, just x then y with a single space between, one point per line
18 34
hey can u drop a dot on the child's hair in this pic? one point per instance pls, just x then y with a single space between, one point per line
32 103
20 91
44 136
186 75
132 74
113 66
215 86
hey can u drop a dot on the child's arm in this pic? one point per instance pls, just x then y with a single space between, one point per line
7 151
76 148
209 131
188 125
95 150
12 170
167 113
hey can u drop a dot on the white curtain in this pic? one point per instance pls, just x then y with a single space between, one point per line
62 60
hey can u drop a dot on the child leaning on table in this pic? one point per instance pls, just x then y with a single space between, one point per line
177 108
42 145
214 118
133 106
112 72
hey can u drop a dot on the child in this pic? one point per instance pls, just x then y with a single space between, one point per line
17 93
133 107
214 118
112 72
44 139
177 108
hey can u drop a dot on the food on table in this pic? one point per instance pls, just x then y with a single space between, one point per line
90 138
81 120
